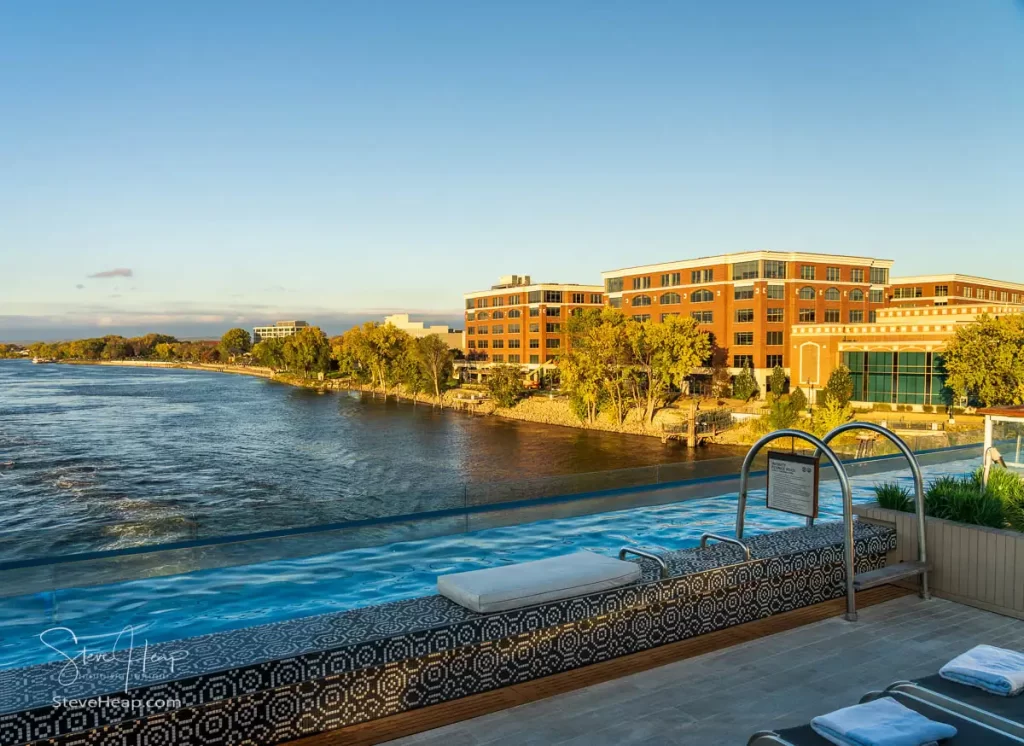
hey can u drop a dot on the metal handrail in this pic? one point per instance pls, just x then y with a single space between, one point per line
915 470
844 484
727 540
662 567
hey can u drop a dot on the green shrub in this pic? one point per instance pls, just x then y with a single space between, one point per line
780 414
744 386
928 408
1008 487
799 399
882 408
894 496
960 499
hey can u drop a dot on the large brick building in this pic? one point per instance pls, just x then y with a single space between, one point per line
522 322
949 290
751 301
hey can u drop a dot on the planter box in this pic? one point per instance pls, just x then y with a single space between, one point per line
973 565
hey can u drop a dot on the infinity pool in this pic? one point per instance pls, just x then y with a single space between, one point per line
199 603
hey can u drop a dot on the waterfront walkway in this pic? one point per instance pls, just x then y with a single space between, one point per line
725 696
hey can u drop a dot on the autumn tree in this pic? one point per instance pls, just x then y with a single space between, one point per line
985 360
235 342
663 354
269 353
505 385
308 351
840 385
434 359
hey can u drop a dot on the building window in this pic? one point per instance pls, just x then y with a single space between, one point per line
776 292
551 359
641 317
613 285
879 276
776 315
513 358
856 295
968 292
641 283
773 361
552 343
615 302
743 339
482 344
665 316
743 361
1004 296
498 329
670 299
498 344
872 316
702 317
641 300
497 301
773 339
481 330
774 270
534 359
513 300
471 330
807 271
832 274
534 328
807 293
472 344
577 312
596 299
481 316
831 315
832 294
875 296
579 297
553 328
743 293
700 276
534 296
513 344
534 344
497 314
469 303
856 275
552 296
514 314
941 291
857 316
481 302
702 296
806 315
672 279
744 315
553 311
745 270
907 293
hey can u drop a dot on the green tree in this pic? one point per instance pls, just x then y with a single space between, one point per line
799 399
840 385
782 413
663 355
598 369
505 385
985 360
235 342
308 351
268 353
164 351
777 382
830 415
434 360
744 386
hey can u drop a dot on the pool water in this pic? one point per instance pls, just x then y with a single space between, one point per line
199 603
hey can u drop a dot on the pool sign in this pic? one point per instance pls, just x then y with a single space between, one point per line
793 483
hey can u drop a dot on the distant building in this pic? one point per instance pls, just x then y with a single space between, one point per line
453 337
277 331
953 290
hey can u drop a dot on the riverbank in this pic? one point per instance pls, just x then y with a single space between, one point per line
243 370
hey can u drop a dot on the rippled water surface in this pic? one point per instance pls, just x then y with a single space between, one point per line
109 457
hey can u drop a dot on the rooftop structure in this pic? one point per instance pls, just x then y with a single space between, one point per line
453 337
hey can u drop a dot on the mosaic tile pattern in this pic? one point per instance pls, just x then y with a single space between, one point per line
376 662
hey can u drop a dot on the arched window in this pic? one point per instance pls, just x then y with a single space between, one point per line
514 314
481 315
831 294
856 295
670 299
807 293
641 300
702 296
497 314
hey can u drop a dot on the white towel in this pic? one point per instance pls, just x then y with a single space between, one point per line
995 670
882 722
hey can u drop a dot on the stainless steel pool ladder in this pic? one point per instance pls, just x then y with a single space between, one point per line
864 580
662 567
726 540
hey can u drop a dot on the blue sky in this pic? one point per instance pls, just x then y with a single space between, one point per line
336 160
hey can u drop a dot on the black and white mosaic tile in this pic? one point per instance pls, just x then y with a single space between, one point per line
269 684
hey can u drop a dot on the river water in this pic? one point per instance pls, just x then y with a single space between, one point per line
109 457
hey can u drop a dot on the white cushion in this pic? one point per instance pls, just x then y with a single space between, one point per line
529 583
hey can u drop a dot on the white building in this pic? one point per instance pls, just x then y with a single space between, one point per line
277 331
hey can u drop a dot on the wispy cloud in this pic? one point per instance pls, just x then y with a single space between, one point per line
120 272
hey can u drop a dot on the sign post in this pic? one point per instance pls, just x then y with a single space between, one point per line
793 483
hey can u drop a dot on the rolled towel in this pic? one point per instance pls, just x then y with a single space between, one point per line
882 722
995 670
